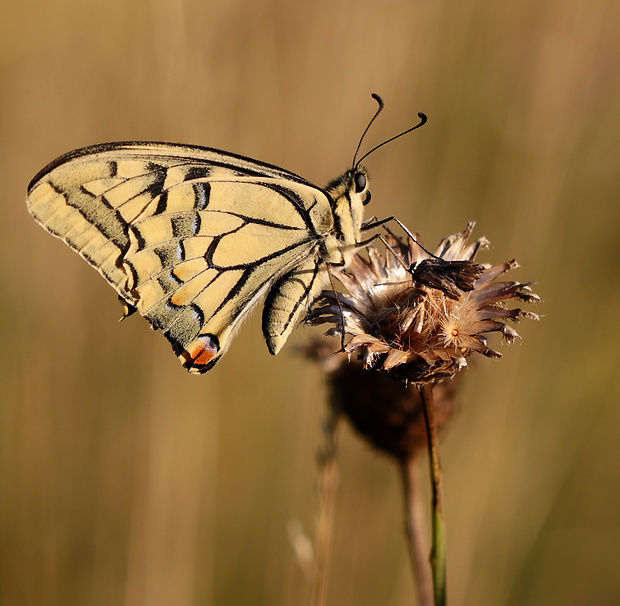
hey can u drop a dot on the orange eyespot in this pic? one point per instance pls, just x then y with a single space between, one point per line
200 352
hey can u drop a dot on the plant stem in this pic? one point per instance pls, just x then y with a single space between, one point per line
326 489
410 472
438 552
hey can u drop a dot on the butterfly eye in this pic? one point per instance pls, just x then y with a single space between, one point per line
360 182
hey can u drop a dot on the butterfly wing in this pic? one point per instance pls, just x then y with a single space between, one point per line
191 237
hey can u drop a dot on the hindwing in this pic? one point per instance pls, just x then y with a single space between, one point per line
191 237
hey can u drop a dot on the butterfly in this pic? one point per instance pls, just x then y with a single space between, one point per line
193 238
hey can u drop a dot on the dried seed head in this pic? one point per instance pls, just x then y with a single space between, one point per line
416 317
388 413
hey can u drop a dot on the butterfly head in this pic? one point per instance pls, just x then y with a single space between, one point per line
349 194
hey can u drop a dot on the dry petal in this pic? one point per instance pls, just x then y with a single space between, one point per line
418 316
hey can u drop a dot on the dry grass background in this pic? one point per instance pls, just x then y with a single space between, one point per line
127 481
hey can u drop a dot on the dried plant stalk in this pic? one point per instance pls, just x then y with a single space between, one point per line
326 489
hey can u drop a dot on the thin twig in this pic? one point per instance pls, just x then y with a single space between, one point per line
438 552
327 483
410 472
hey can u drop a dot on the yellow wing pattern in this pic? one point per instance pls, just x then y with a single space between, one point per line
192 237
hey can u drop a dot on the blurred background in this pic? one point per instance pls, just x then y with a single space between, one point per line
124 480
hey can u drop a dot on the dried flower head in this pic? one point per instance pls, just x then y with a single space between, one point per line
417 316
388 413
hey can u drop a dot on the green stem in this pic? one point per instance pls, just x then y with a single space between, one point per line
438 552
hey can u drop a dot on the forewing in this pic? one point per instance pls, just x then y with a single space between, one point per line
191 237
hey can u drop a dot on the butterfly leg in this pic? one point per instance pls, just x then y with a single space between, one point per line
374 222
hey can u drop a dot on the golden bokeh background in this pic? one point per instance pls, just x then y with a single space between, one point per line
126 481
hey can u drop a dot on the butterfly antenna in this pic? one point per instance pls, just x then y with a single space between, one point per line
422 122
379 100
